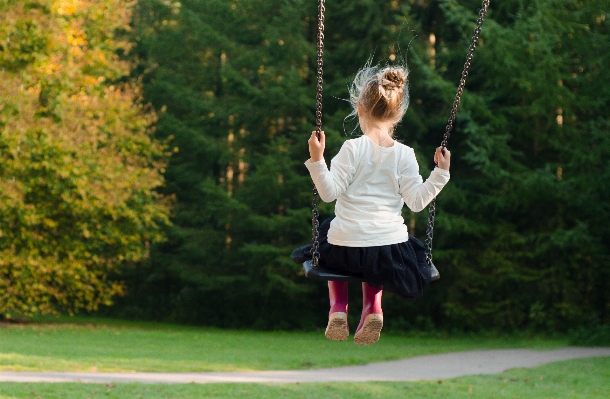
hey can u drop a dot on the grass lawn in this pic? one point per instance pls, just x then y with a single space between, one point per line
106 345
578 379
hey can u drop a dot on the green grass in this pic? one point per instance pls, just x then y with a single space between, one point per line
111 346
578 379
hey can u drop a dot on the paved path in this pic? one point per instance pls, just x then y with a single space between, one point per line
431 367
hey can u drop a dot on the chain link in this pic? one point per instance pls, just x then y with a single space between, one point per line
315 224
450 122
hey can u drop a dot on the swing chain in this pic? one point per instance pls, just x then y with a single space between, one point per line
430 231
320 69
315 224
449 128
469 56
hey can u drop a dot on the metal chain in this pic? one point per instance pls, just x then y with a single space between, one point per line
449 128
315 224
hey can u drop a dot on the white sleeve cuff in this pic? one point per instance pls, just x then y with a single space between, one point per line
441 172
309 162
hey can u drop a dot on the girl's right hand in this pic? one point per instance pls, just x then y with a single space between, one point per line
442 160
316 146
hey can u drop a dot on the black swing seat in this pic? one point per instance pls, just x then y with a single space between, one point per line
323 274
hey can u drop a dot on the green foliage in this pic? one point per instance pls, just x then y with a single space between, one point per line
231 84
78 165
536 134
521 237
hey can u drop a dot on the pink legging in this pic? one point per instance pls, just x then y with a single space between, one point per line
371 299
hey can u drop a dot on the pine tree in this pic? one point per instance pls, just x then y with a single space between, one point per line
230 81
520 236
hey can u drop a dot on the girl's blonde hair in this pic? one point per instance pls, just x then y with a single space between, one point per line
382 92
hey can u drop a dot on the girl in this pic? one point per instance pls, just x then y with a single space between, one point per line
371 177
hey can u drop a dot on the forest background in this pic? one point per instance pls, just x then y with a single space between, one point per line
152 157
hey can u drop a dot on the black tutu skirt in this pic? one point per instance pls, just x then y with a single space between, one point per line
399 268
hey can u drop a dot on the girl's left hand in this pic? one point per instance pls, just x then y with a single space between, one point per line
316 146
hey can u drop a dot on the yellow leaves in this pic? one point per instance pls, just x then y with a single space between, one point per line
91 80
31 220
67 7
61 45
76 36
86 233
75 52
77 40
50 66
79 171
49 223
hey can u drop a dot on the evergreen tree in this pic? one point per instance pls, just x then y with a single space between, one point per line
520 237
535 250
231 81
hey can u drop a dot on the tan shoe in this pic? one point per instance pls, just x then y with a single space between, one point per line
370 330
337 329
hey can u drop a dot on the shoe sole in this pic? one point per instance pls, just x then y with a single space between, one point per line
337 327
370 331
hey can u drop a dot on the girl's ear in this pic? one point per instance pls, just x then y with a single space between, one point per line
359 109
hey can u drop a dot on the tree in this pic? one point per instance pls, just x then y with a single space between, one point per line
79 168
535 250
229 80
520 239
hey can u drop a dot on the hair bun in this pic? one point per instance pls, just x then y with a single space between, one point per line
396 76
382 92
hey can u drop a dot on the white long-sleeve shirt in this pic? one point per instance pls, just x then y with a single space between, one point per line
371 183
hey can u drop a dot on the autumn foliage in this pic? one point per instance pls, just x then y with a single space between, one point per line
78 164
